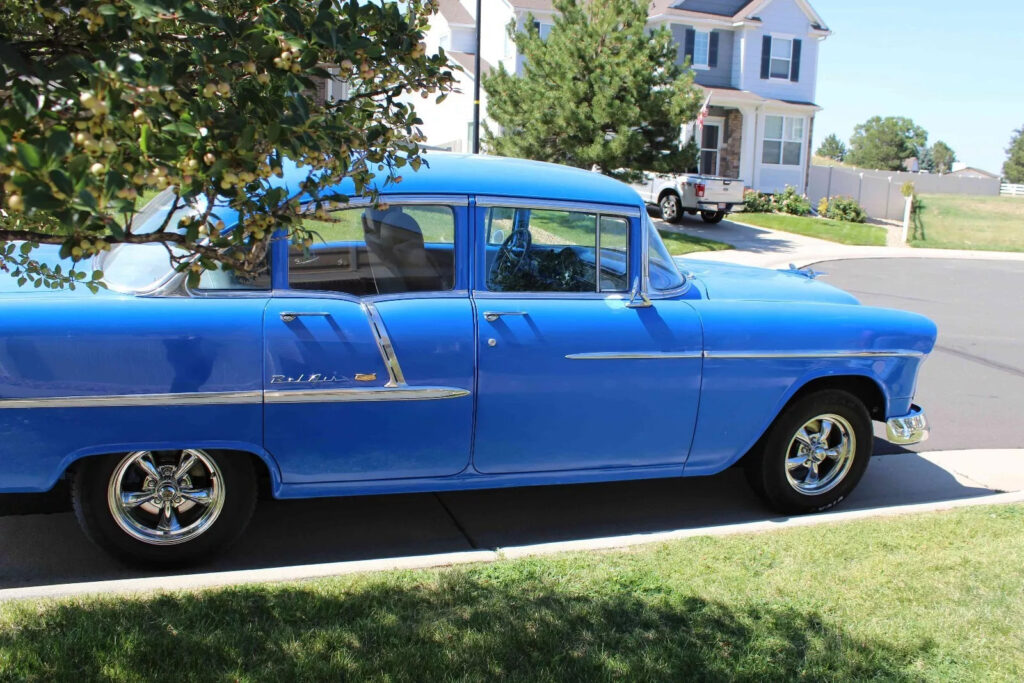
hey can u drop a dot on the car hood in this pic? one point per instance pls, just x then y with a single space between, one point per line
745 283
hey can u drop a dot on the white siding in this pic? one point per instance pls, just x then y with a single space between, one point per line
782 17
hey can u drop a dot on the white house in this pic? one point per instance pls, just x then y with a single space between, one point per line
758 60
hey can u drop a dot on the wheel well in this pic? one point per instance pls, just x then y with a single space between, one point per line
865 389
258 464
666 191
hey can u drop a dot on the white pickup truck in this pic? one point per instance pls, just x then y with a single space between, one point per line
712 196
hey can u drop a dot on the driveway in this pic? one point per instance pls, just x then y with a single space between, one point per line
970 387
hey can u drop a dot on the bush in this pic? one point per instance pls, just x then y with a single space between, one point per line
843 209
791 202
823 206
759 202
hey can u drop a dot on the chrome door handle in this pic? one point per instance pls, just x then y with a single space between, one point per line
491 316
289 316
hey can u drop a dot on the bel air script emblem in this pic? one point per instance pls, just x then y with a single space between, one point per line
313 378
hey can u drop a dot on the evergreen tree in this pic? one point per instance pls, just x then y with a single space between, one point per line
832 148
600 91
885 143
1013 168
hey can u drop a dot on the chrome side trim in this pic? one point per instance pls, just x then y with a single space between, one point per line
909 428
387 350
385 393
617 355
905 353
557 204
137 400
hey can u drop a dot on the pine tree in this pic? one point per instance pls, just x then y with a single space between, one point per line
600 91
885 143
832 148
1013 169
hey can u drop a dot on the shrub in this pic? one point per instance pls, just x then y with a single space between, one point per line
843 209
758 202
791 202
823 206
907 188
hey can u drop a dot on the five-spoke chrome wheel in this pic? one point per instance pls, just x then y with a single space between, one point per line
166 498
820 454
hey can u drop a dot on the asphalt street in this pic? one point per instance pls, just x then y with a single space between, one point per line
971 387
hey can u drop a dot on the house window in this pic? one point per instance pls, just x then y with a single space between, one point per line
543 29
782 57
701 48
783 140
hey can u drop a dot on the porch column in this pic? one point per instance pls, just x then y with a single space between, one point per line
748 145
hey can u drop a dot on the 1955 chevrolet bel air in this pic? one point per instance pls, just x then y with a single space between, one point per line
494 322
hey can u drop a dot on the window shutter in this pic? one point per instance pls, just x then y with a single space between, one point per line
713 50
794 72
766 56
688 44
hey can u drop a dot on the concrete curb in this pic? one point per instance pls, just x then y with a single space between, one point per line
189 582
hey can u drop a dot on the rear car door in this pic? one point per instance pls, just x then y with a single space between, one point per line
369 357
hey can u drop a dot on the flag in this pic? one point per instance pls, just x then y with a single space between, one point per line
703 112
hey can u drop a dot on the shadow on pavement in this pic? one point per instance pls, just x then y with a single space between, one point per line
43 549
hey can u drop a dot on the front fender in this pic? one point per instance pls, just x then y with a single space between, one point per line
758 355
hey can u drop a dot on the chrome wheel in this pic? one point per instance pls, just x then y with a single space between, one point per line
820 454
166 497
669 208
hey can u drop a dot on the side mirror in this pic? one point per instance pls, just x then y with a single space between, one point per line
637 292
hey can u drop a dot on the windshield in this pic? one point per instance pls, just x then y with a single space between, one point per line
662 269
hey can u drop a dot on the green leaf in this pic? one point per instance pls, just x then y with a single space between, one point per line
107 10
59 143
41 198
26 247
273 132
181 127
97 275
144 138
29 155
86 198
62 181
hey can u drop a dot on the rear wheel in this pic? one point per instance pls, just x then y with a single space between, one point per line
712 216
164 507
814 454
671 209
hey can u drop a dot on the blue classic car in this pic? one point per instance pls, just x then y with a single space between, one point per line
491 322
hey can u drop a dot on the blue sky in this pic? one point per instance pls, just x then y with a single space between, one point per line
956 68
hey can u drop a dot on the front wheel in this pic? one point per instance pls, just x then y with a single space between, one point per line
712 217
671 209
814 454
164 507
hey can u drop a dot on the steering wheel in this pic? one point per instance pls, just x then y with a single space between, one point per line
512 254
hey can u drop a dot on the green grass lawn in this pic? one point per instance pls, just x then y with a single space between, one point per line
822 228
930 597
679 243
968 222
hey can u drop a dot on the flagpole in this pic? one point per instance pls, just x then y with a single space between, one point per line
476 85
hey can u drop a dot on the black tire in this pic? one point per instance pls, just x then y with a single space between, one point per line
712 217
671 208
89 496
771 468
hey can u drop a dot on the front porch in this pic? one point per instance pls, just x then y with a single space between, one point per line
762 141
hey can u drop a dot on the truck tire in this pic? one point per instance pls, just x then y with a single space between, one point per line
712 217
671 209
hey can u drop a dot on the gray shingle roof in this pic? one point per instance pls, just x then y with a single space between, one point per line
723 8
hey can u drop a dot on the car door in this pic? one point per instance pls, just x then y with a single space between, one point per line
570 377
369 352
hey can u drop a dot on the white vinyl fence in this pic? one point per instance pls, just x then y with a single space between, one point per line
879 191
1011 190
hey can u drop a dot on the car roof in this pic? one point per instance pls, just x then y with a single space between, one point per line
470 174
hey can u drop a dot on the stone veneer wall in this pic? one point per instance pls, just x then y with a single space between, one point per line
729 162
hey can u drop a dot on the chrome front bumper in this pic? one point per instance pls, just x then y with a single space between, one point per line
910 428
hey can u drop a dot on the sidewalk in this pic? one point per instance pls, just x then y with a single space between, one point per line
754 246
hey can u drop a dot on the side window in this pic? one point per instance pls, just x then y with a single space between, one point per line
545 250
366 251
